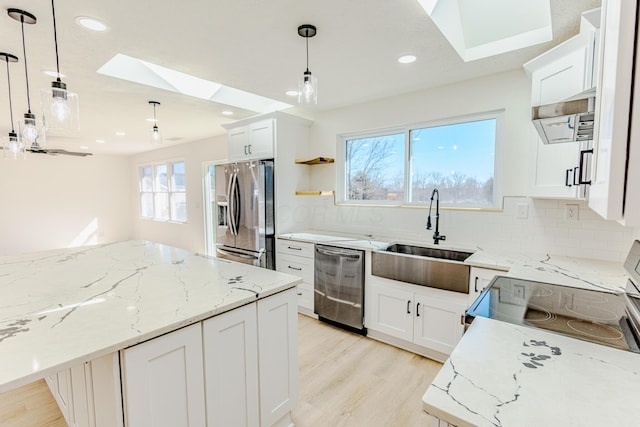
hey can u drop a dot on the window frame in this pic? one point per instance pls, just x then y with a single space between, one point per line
169 191
342 191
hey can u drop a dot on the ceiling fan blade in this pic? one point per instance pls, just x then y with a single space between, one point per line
56 151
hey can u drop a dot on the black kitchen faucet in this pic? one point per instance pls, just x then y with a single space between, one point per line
436 235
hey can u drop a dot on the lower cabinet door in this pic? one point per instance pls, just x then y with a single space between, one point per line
82 392
391 311
63 395
277 356
438 323
231 368
164 382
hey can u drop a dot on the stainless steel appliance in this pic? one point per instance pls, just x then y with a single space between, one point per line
339 287
602 317
245 212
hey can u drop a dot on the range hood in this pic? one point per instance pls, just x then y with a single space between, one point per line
566 121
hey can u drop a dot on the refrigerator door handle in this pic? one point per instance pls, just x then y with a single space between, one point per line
230 204
236 204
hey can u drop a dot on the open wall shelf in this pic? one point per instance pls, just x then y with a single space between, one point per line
315 161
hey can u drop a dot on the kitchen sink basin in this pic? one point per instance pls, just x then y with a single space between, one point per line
448 254
419 265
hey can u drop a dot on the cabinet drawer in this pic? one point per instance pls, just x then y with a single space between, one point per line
292 247
296 265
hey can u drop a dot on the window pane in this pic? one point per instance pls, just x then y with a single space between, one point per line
457 159
374 168
177 178
146 178
161 205
146 205
161 178
179 207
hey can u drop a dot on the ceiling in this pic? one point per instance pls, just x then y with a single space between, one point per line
251 45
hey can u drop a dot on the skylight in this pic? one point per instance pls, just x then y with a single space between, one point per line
138 71
479 29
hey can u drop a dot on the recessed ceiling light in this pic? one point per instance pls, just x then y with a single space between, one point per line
53 74
92 24
292 93
120 133
84 147
100 141
227 113
406 59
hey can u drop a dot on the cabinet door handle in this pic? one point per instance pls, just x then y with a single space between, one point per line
566 177
418 310
409 307
475 286
576 175
293 268
294 248
300 294
583 153
250 149
245 150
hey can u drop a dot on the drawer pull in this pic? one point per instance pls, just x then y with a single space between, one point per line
293 268
300 294
294 248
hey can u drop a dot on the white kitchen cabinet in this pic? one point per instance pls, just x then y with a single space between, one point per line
277 358
297 258
251 141
614 191
89 394
479 278
231 368
427 319
163 381
239 368
560 73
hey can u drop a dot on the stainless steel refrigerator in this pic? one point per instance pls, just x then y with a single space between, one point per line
245 212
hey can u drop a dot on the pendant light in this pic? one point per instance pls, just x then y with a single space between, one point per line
59 106
156 138
12 144
308 84
29 130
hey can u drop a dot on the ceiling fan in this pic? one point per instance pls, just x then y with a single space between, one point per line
38 149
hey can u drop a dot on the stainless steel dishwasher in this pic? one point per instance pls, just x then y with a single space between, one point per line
339 287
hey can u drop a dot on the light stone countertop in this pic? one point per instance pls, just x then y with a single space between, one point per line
488 381
63 307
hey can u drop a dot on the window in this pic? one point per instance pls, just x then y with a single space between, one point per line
402 166
163 192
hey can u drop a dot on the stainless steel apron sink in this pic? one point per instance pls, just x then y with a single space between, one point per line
424 266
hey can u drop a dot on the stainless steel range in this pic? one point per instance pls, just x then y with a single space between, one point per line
607 318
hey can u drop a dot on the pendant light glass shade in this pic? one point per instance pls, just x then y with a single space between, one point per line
308 83
13 147
59 106
155 136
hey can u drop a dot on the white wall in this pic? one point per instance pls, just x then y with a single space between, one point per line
49 202
545 229
191 235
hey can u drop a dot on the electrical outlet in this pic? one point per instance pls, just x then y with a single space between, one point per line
522 211
571 212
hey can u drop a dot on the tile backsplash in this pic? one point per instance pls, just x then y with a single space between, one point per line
558 227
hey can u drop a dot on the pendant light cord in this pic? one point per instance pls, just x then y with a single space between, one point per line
55 38
307 39
26 72
10 106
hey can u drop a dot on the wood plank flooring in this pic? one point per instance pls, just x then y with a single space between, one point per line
349 380
345 380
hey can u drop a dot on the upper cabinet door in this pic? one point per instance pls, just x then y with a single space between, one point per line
238 140
251 142
611 132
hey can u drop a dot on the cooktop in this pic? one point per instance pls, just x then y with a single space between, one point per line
590 315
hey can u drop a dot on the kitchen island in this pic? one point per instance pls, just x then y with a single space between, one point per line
65 308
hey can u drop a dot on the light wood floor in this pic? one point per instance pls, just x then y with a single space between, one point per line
345 380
